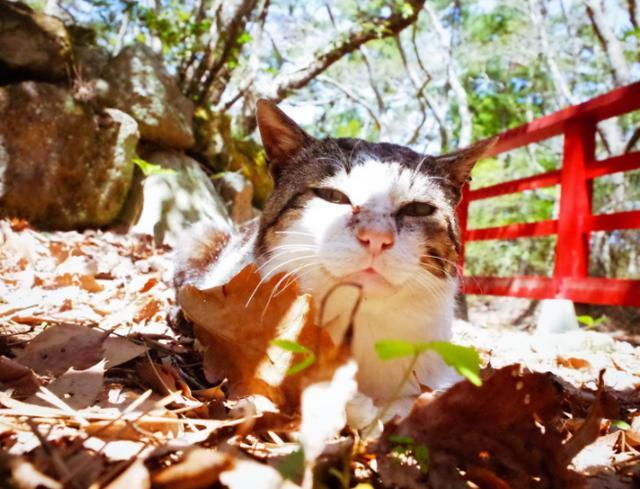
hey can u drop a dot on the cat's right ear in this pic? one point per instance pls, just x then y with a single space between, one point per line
281 137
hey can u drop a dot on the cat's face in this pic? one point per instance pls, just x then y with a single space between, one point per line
347 211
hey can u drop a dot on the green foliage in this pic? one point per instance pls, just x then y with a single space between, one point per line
590 322
151 168
291 467
620 424
309 357
464 360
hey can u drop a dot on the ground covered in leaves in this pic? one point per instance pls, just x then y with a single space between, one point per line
104 384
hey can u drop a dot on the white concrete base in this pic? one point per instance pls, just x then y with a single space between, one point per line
556 316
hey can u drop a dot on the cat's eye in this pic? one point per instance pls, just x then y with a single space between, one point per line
331 195
417 209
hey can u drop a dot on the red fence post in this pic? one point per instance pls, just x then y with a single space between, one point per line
463 218
574 220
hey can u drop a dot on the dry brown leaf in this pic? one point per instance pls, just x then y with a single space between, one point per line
505 431
148 310
64 346
198 469
118 350
63 280
236 323
20 378
18 224
61 347
149 284
89 283
77 388
136 476
162 378
573 362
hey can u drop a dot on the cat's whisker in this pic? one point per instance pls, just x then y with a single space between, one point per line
455 265
267 276
302 233
278 255
426 281
275 288
274 270
295 275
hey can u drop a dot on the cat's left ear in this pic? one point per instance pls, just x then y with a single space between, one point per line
457 165
281 137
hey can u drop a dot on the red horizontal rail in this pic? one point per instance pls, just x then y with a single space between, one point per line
531 287
592 290
611 104
625 162
528 183
619 220
595 169
513 231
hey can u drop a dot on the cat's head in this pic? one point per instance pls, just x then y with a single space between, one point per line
346 210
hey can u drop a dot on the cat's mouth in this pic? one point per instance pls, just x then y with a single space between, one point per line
368 276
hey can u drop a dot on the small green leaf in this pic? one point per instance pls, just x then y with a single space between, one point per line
464 360
401 440
421 453
618 423
288 345
291 467
586 320
151 168
390 349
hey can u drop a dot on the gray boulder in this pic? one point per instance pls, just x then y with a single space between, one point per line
166 204
62 165
140 85
237 193
32 45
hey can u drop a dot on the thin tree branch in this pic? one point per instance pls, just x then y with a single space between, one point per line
349 93
372 82
375 29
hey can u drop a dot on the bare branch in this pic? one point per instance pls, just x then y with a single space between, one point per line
349 93
375 29
372 82
633 13
418 87
454 80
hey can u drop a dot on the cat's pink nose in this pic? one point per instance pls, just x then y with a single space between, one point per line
377 240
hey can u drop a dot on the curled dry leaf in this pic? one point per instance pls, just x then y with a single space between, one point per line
64 346
237 323
503 434
20 378
198 469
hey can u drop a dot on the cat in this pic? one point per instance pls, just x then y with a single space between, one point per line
369 229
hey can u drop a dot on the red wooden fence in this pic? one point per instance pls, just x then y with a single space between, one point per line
575 221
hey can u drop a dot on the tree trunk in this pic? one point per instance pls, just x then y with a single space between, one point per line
610 43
